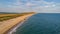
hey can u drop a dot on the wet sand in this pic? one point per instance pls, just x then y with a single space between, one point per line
5 26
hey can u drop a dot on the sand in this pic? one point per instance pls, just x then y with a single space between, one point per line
7 25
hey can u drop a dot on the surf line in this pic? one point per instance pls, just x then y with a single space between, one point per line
14 29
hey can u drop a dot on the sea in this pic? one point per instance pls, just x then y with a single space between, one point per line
41 23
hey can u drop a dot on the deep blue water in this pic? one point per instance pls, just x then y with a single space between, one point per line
43 23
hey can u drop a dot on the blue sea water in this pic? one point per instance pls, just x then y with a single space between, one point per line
42 23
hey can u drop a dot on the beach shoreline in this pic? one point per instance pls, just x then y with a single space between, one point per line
13 29
12 23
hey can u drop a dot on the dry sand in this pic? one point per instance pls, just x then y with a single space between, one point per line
7 25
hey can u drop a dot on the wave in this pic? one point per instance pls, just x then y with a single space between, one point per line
13 30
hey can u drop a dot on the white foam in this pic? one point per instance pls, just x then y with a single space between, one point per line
15 28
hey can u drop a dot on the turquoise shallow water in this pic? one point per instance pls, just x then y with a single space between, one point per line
43 23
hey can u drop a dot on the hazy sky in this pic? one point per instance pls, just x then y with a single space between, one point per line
42 6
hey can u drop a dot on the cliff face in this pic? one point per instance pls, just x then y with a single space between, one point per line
6 25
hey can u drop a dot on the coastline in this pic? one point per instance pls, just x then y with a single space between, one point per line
13 29
9 24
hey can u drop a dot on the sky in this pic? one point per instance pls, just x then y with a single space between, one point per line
40 6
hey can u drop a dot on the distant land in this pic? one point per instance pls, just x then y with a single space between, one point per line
8 12
13 12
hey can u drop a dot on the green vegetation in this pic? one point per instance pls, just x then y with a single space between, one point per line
4 17
8 17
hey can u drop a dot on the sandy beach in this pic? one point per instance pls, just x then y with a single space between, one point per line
5 26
